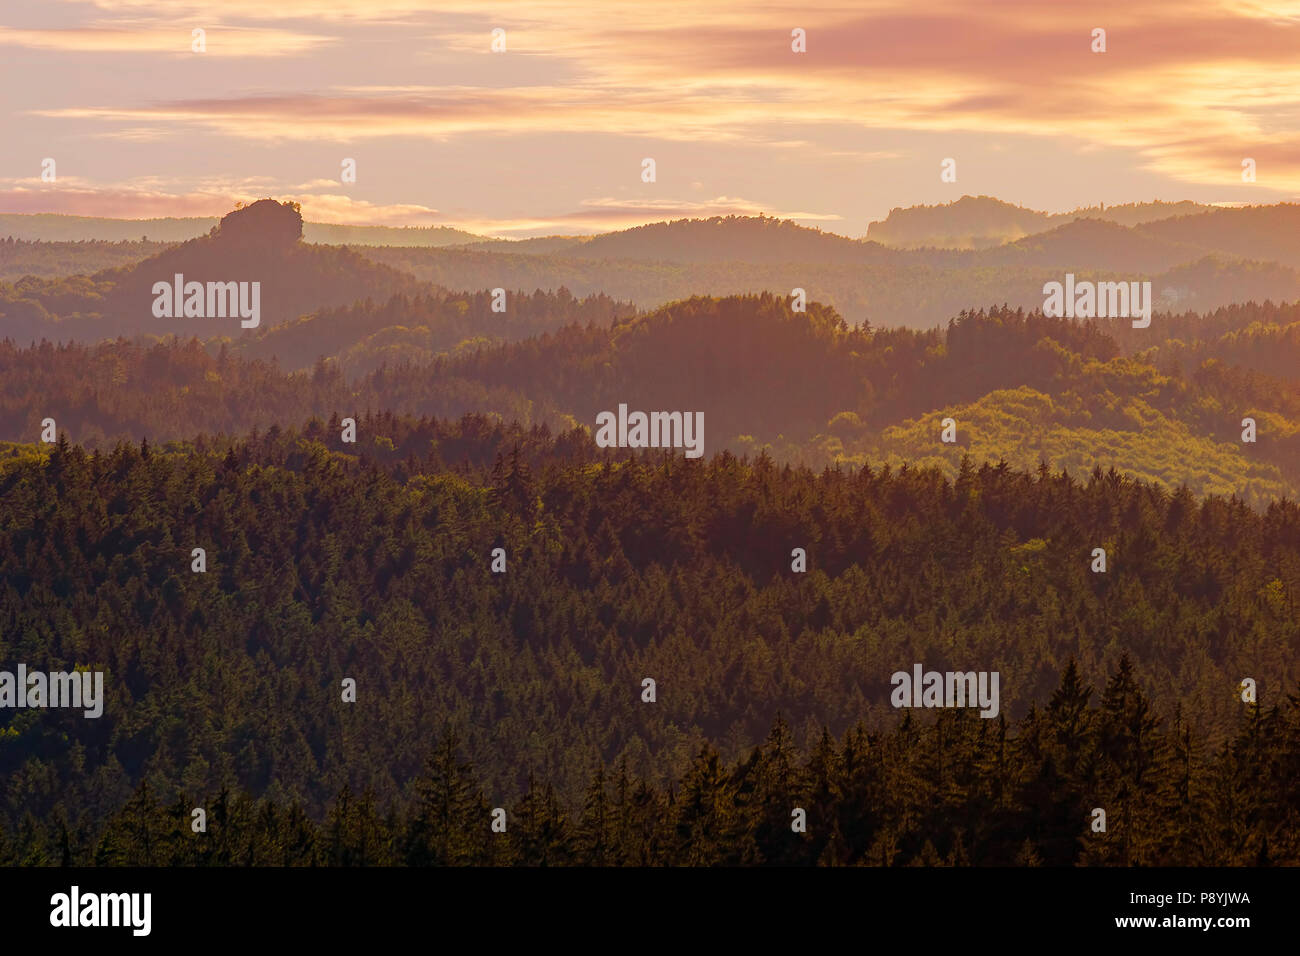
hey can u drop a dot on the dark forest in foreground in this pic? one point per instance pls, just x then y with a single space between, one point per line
958 791
372 561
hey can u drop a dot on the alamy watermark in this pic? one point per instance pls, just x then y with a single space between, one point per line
652 430
1087 300
82 690
215 300
75 908
950 689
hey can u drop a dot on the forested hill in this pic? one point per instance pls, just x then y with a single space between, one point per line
371 561
20 258
1198 262
261 243
361 337
1167 405
732 239
1019 386
920 291
983 222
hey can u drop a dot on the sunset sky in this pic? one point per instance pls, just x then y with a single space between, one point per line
548 137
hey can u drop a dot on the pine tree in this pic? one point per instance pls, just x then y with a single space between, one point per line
450 823
593 835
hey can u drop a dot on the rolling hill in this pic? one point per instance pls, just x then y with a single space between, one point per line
257 244
977 222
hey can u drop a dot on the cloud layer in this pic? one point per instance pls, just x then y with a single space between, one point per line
1182 94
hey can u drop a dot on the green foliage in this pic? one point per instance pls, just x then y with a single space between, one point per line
328 561
955 791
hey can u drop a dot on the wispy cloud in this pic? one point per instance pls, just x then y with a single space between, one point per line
219 41
607 214
321 202
1186 90
147 199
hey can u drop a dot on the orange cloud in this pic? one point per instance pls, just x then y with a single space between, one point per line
1189 89
149 198
221 41
607 214
145 199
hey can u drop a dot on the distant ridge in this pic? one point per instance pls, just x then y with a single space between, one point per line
729 239
54 227
260 243
979 222
969 223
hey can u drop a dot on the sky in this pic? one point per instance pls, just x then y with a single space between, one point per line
549 135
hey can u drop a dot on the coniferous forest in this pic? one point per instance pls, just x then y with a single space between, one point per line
523 690
637 471
366 587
